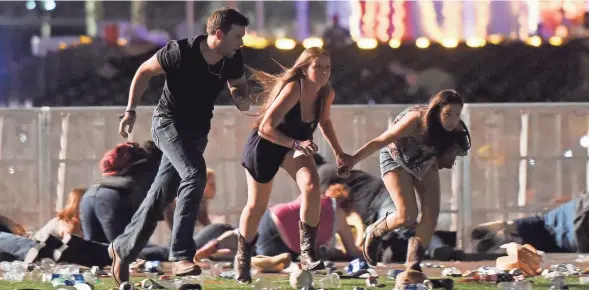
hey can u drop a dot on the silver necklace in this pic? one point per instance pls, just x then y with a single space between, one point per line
220 74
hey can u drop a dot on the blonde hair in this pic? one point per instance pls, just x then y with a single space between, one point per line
273 84
210 173
71 212
342 195
337 191
211 185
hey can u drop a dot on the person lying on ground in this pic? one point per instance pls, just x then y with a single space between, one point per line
275 237
564 229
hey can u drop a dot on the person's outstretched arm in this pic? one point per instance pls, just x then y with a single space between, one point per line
402 128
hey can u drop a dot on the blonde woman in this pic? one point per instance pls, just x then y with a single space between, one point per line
296 102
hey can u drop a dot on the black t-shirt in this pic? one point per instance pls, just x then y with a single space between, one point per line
192 85
366 191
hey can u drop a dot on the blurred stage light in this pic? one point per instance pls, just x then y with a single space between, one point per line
253 41
555 40
450 43
584 141
122 42
394 43
31 5
84 39
535 41
495 39
285 43
313 42
367 43
422 42
475 42
62 45
49 5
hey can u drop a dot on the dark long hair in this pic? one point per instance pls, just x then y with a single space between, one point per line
273 84
433 132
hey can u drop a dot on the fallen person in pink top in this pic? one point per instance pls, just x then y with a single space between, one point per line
278 230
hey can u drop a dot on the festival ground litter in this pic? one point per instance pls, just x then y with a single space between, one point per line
522 268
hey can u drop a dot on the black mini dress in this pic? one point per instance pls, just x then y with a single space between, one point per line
262 158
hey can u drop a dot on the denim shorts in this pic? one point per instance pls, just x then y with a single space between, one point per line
387 163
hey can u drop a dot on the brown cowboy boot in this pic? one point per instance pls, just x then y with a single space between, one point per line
412 273
243 259
310 259
372 238
415 254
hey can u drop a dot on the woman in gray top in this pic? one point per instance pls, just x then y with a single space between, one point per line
421 140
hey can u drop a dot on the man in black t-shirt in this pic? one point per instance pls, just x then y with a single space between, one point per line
196 70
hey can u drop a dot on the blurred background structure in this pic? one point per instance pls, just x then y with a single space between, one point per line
506 57
76 53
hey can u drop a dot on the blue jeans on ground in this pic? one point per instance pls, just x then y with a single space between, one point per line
13 247
561 223
104 213
553 231
269 241
183 156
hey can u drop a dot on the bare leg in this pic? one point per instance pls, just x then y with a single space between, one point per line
223 247
304 171
482 230
257 202
399 183
428 190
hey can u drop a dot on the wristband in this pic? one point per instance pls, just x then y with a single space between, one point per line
296 145
129 111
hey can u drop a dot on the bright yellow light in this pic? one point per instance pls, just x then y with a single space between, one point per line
285 43
534 41
495 38
394 43
475 42
313 42
450 43
253 41
367 43
422 42
62 45
555 40
122 42
84 39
